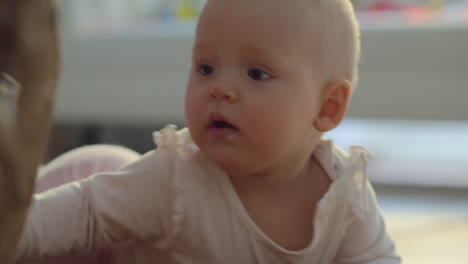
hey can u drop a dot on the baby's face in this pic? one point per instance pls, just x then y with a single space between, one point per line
254 91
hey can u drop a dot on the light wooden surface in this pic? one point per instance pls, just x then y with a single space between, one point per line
429 226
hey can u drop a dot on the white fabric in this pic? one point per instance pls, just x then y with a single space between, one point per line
178 207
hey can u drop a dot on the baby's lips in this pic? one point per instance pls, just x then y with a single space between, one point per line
218 117
222 124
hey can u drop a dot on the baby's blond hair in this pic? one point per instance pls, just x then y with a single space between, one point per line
340 47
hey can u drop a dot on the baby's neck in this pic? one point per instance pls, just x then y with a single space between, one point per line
281 180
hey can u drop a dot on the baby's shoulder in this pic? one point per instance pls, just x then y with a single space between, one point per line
339 163
348 171
170 138
173 149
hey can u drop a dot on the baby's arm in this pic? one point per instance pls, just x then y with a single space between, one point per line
106 208
366 240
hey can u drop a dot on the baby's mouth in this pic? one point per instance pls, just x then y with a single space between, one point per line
220 124
221 128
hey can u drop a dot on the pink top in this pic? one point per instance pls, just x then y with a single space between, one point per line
175 206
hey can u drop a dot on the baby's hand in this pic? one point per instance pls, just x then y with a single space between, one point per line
28 76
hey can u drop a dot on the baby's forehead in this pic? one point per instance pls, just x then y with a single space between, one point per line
311 22
278 9
306 15
294 16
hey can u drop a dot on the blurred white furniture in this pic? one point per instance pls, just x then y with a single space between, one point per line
410 152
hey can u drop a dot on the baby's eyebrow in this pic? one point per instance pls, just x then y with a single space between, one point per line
198 47
252 49
266 51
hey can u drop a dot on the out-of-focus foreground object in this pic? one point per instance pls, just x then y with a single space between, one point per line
29 63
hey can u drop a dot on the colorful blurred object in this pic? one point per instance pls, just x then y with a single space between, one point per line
435 4
156 16
384 5
411 13
465 14
186 9
418 15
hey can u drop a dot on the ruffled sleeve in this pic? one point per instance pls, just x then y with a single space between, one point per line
169 138
365 239
356 164
179 141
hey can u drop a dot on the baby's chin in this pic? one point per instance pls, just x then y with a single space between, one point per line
225 165
229 166
226 158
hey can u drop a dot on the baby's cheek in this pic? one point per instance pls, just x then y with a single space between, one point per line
194 108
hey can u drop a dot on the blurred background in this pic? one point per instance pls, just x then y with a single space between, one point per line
125 65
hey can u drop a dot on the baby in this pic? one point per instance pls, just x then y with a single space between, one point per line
250 180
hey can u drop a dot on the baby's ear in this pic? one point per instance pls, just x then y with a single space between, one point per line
334 105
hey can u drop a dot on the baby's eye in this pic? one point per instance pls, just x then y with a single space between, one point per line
258 75
205 69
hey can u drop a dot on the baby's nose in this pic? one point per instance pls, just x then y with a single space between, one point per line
223 92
